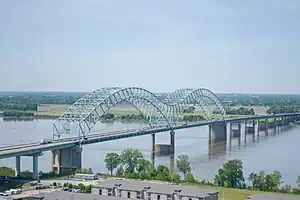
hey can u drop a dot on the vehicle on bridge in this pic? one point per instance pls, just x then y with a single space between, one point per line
46 141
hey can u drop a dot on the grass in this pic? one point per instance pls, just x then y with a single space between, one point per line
237 194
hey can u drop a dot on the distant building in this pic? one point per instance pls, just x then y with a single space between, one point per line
152 191
43 108
86 176
272 197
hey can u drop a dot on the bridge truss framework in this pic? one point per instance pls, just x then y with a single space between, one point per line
82 116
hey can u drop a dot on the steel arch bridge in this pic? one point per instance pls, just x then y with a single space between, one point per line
83 115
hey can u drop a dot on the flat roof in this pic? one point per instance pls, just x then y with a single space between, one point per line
273 197
154 187
62 195
196 191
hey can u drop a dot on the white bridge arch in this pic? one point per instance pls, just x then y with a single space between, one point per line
82 116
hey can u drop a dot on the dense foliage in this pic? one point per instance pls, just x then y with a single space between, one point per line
17 114
240 111
18 106
131 164
6 171
283 109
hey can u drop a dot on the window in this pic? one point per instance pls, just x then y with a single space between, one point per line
158 197
128 194
100 192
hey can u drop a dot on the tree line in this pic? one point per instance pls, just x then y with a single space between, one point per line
283 109
140 117
240 111
17 114
18 106
131 163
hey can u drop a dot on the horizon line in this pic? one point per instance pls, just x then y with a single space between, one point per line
47 91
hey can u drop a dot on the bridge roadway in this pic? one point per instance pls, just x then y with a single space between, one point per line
30 149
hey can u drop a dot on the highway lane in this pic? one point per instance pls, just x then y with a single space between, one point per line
12 147
56 145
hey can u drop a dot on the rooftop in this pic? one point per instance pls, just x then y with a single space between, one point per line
61 195
154 187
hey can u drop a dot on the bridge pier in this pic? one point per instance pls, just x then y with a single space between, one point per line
18 166
66 160
153 143
250 128
35 166
218 132
167 148
236 132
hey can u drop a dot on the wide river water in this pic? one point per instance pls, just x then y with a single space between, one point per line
277 151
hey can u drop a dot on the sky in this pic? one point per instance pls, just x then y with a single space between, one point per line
225 46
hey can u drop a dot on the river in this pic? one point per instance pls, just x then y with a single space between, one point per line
276 152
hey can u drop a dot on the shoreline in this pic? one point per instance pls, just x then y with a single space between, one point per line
117 118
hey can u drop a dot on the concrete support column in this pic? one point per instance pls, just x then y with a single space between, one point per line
153 142
218 132
35 166
66 160
282 123
18 166
258 128
153 149
254 129
172 142
267 127
236 130
230 134
245 132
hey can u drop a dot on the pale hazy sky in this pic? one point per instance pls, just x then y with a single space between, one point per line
161 45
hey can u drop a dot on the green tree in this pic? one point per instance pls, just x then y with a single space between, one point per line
81 186
88 189
286 189
112 161
6 171
84 171
162 173
142 165
261 176
189 178
253 180
120 172
130 159
298 181
273 181
231 175
183 164
175 178
162 169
